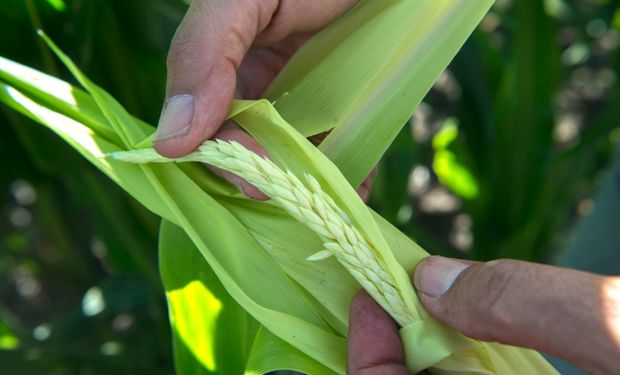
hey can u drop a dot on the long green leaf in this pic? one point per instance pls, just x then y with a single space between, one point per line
364 75
254 260
254 279
231 251
212 333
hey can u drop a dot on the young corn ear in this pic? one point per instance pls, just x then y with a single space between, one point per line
307 203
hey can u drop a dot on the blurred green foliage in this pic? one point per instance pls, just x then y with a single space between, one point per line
79 285
536 97
501 160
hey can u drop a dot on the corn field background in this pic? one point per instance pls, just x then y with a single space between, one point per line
503 159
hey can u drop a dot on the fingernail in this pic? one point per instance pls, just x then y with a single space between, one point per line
435 275
176 118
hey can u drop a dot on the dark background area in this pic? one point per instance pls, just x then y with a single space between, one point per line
502 159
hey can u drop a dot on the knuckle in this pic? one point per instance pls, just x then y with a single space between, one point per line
238 39
498 280
181 49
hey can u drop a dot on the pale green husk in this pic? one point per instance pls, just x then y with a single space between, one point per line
306 202
246 261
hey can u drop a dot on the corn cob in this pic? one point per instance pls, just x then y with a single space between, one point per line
309 204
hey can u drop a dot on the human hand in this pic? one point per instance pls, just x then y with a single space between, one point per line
227 49
570 314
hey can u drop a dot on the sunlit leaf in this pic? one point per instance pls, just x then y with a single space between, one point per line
446 165
59 5
256 251
8 340
364 75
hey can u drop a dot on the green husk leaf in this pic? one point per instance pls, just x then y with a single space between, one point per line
302 306
115 113
237 260
269 353
212 334
364 75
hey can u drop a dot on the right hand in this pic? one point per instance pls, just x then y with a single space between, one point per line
570 314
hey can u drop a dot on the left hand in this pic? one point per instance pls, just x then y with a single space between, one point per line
545 308
231 48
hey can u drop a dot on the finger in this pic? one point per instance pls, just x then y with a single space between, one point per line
232 132
571 314
205 54
302 16
374 344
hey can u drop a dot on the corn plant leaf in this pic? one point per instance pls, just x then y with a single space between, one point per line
58 94
270 353
253 261
596 240
450 171
111 109
235 254
264 124
212 334
239 262
364 75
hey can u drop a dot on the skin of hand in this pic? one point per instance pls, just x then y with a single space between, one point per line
225 49
570 314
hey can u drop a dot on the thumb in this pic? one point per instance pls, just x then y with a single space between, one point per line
570 314
203 59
